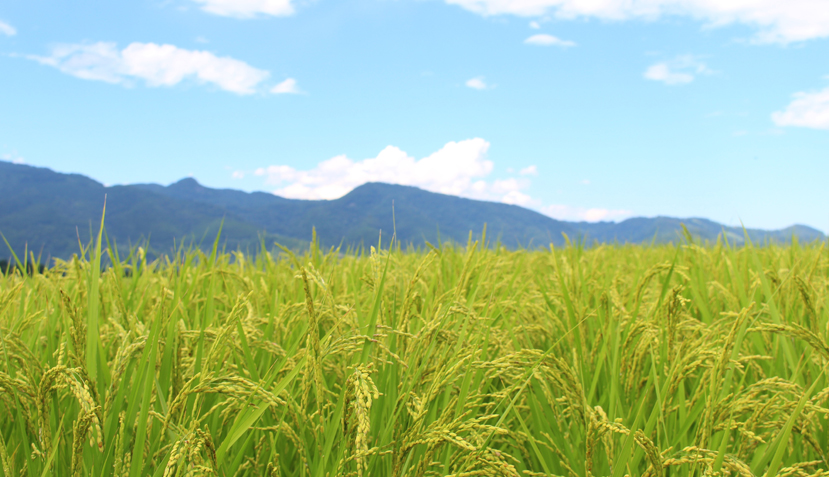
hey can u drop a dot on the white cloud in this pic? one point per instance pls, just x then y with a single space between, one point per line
777 21
535 25
529 171
454 169
564 212
458 168
508 186
286 87
238 175
247 8
514 197
13 158
680 70
544 39
662 72
477 83
7 29
808 110
157 65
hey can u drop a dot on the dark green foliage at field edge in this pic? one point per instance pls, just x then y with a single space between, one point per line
10 267
463 361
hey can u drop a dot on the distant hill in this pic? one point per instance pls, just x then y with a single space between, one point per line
50 211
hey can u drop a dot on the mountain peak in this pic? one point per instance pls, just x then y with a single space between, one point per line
187 182
44 210
382 187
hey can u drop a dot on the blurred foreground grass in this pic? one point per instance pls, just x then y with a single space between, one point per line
462 361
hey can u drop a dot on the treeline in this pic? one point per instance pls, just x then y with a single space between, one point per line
7 267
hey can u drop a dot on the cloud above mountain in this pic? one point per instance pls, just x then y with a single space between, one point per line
584 214
458 168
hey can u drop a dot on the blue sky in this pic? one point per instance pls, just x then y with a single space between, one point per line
580 109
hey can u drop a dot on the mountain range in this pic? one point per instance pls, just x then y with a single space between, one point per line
49 213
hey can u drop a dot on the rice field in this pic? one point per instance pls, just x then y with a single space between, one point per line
674 360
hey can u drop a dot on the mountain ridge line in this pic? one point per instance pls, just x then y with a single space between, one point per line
47 212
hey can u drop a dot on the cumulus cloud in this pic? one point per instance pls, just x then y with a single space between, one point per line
544 39
238 175
808 110
535 25
776 21
7 29
477 83
509 186
680 70
286 87
515 197
457 168
247 8
13 158
509 190
156 65
565 212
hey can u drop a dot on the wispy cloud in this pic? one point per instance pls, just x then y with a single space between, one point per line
544 39
156 65
7 29
663 72
286 87
680 70
776 21
247 8
529 171
477 83
535 25
808 110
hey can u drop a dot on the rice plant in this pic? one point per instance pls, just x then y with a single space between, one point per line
458 361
